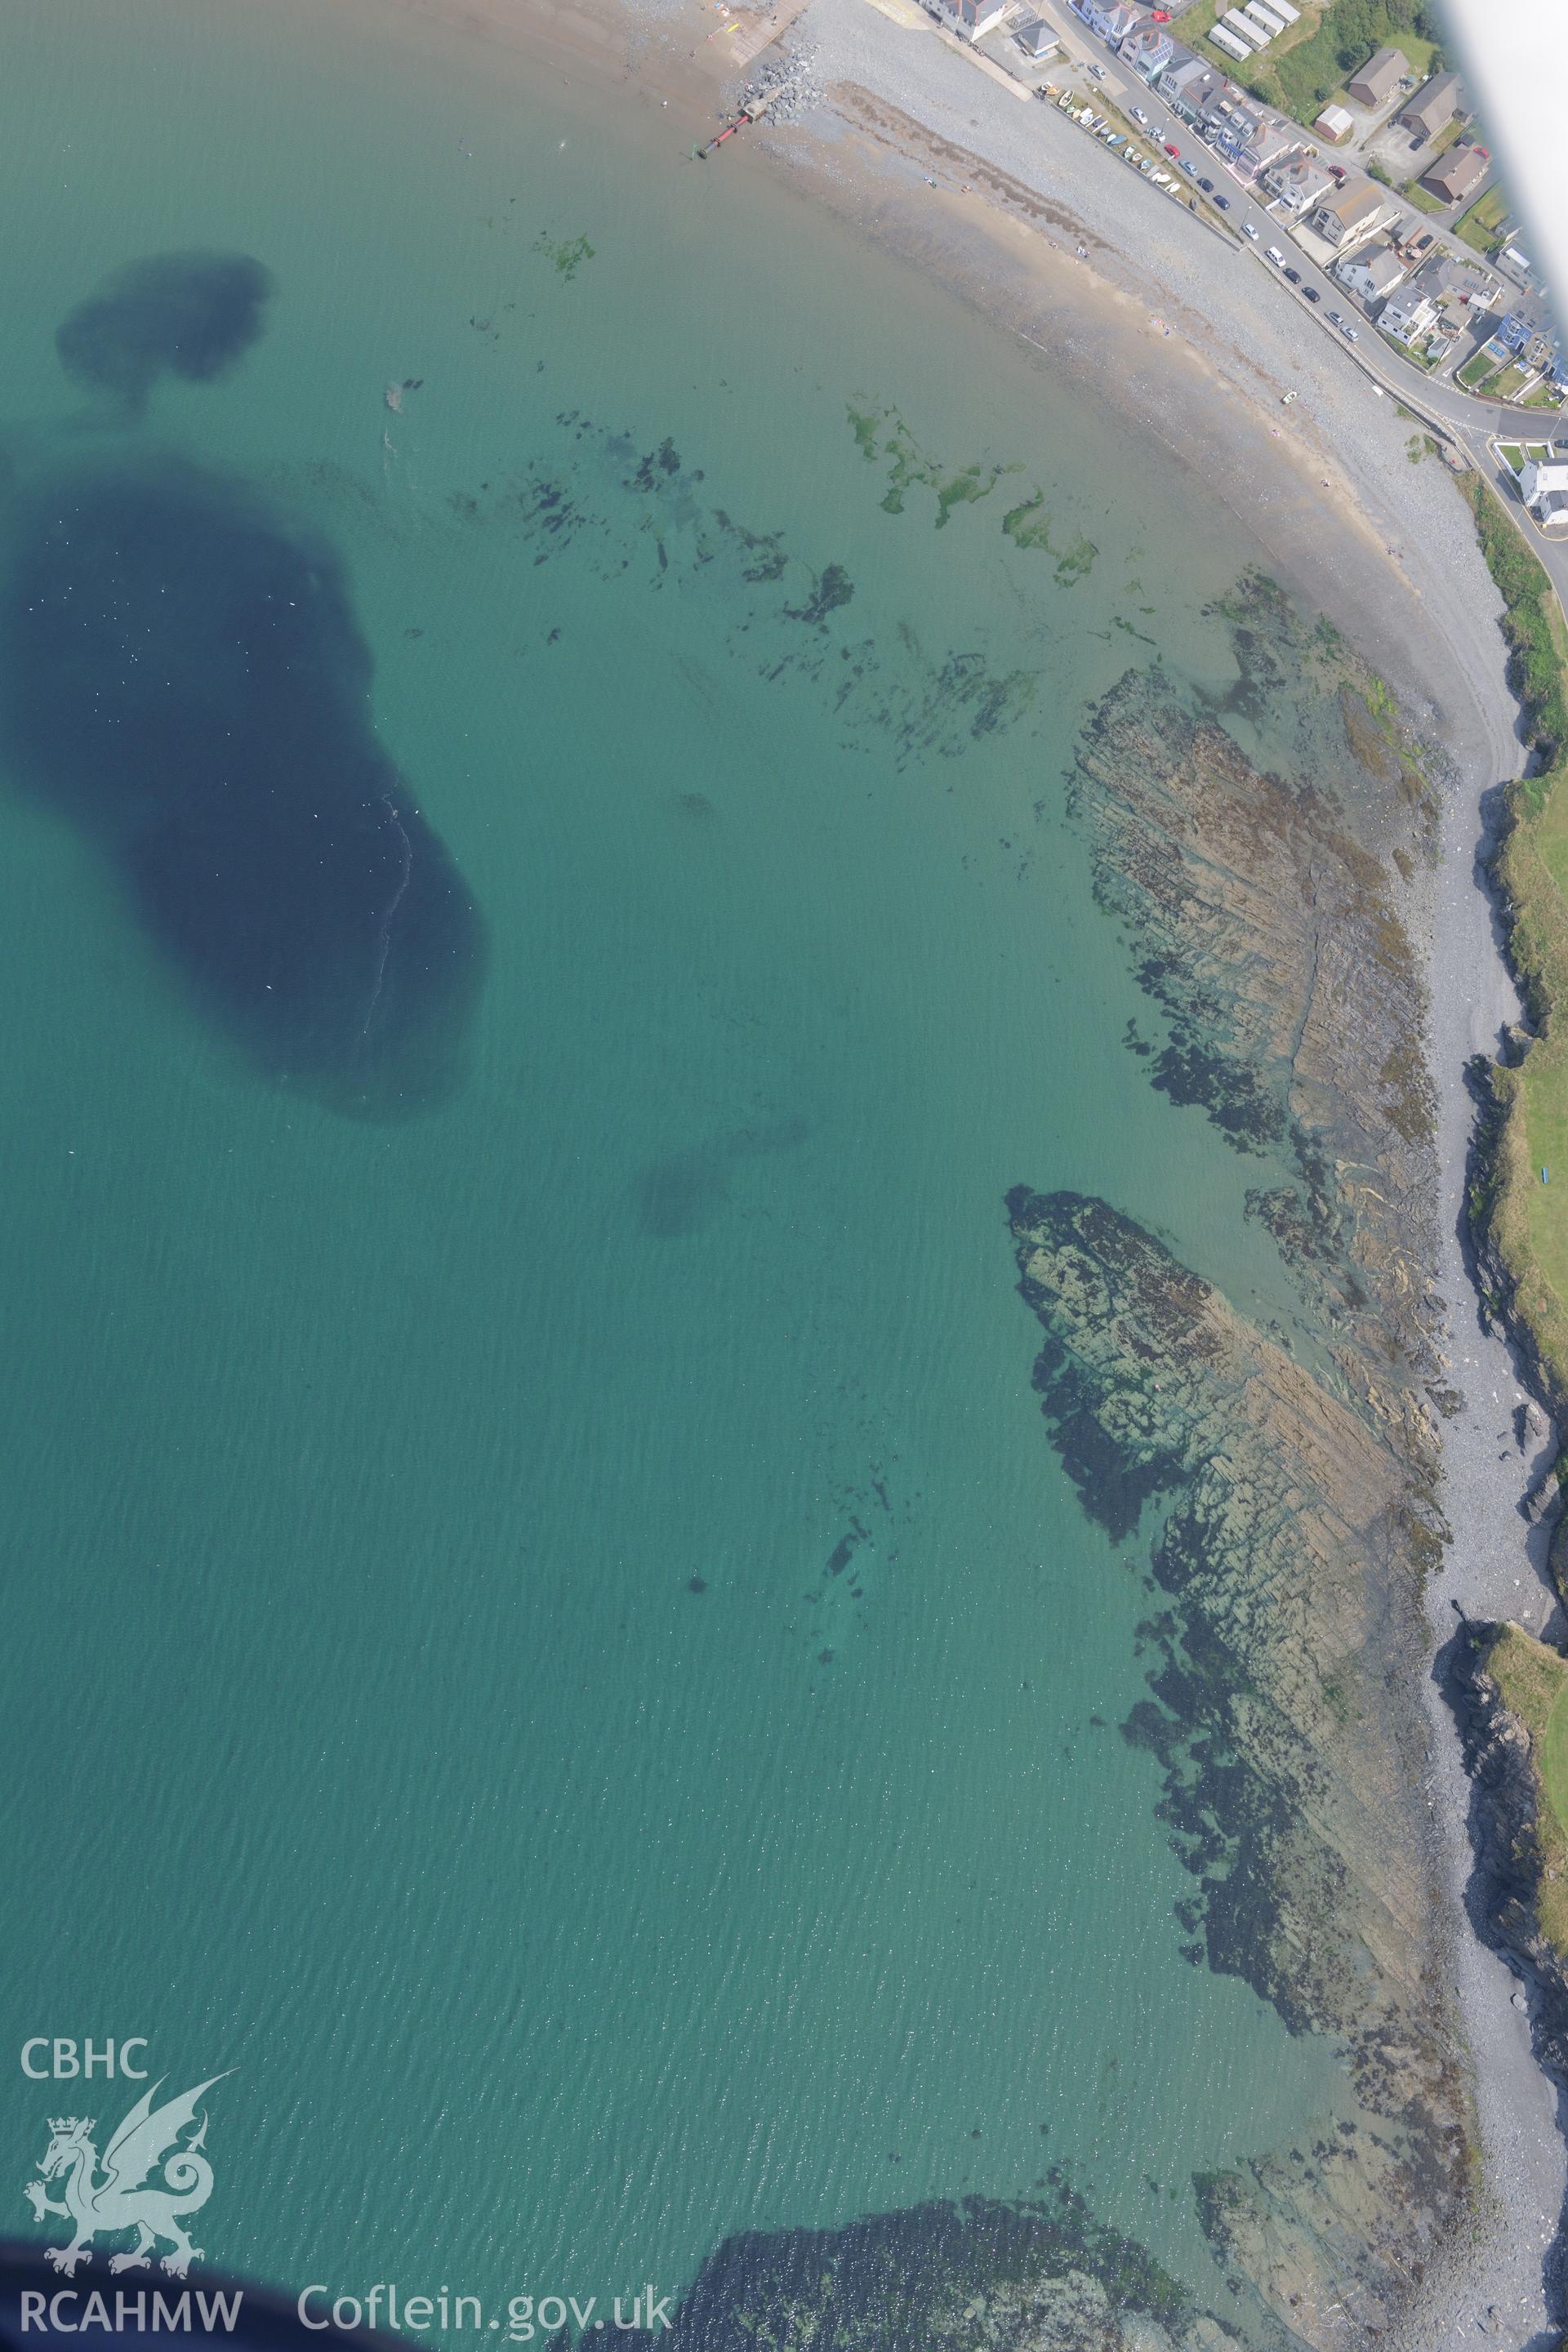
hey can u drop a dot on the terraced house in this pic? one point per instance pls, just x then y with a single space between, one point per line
1298 181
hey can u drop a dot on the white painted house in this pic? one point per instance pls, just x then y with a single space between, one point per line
1372 273
1544 489
974 18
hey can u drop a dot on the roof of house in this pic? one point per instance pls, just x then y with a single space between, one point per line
1357 201
1410 303
1541 479
1381 263
1379 77
1457 174
1439 277
1272 140
1151 43
1195 83
1434 105
1335 122
1034 35
1297 171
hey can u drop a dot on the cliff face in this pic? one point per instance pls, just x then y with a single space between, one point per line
1287 1496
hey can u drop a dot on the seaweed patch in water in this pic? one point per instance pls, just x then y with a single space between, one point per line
187 314
883 432
185 680
1027 525
567 254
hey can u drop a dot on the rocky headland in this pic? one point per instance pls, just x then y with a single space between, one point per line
1282 1480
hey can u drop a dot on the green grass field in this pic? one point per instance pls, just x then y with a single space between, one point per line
1305 68
1533 1681
1481 226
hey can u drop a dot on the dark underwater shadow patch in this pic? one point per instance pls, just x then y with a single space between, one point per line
685 1192
183 677
187 314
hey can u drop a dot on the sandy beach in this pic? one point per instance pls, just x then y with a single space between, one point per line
1170 335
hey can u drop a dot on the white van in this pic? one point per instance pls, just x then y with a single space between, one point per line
1276 256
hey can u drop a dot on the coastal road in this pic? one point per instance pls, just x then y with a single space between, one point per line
1451 410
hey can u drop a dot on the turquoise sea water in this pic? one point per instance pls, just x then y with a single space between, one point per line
364 1730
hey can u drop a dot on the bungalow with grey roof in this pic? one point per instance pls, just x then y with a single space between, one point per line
1378 79
1035 38
1433 107
1457 175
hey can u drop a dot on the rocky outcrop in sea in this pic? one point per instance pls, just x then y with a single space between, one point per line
1281 1480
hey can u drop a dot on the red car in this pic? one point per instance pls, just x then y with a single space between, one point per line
1173 151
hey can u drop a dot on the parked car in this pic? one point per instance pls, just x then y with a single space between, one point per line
1249 229
1223 202
1276 256
1335 319
1207 188
1294 276
1171 150
1098 72
1139 116
1311 293
1348 332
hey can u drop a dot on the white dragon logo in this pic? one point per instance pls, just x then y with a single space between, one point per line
125 2197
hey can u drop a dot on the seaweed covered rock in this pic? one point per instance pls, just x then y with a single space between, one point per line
980 2276
1284 1716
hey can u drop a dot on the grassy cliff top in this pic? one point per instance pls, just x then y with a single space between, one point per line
1533 1680
1530 1208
